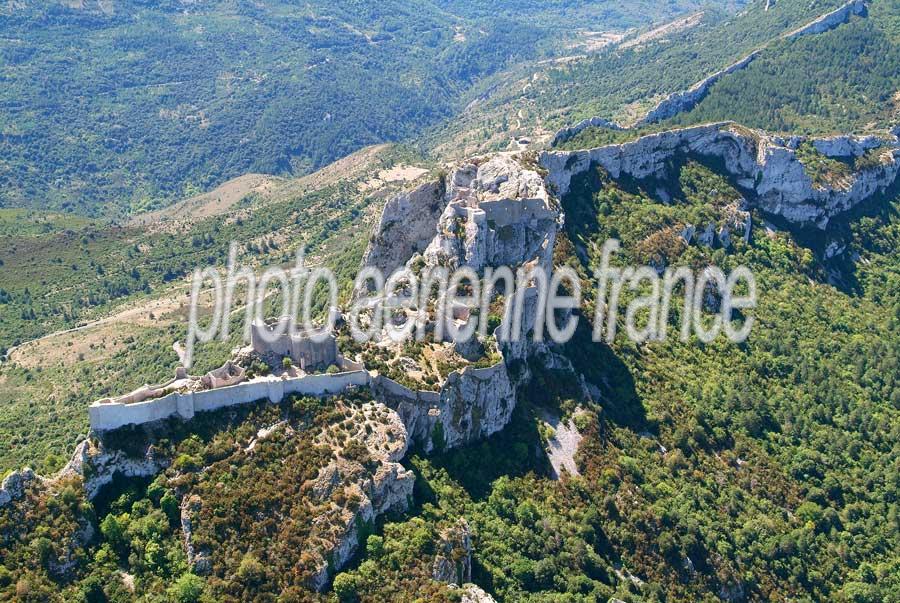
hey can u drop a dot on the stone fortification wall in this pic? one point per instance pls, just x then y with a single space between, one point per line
112 415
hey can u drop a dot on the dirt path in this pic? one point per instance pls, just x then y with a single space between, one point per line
97 338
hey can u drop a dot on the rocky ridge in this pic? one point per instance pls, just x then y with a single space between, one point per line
685 100
829 21
498 212
766 168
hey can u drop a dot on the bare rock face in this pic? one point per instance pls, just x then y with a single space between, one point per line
498 213
831 20
474 594
502 217
472 404
453 562
406 226
98 465
14 485
846 146
765 167
387 487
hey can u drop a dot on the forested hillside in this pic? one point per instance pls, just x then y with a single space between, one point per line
765 470
125 105
843 80
622 79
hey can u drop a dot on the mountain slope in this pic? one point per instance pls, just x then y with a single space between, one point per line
120 106
843 80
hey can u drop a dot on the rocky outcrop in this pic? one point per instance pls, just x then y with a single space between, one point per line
498 213
766 168
386 487
474 594
472 404
15 484
406 226
685 100
453 561
98 465
831 20
571 131
844 146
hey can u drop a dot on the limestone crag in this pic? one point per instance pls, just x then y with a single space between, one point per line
98 465
498 213
842 146
472 404
453 561
685 100
387 487
406 226
15 484
766 168
474 594
831 20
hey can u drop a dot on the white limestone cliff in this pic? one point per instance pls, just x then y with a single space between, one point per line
498 213
98 465
766 168
453 560
406 225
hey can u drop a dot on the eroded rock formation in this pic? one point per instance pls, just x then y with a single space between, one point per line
767 168
498 213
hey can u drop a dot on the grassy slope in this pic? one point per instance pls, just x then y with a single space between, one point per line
45 395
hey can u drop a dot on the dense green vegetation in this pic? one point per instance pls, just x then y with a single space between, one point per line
762 471
766 468
120 111
622 81
138 553
842 80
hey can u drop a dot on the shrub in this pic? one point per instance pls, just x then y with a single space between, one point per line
188 589
346 587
